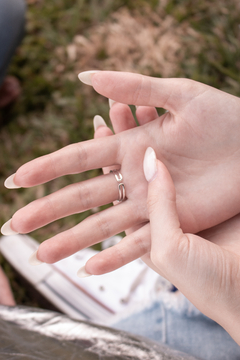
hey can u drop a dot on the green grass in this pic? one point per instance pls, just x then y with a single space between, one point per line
55 109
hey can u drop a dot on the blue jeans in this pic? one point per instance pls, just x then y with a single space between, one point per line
174 321
12 20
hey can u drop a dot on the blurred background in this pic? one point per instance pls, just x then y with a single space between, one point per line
167 38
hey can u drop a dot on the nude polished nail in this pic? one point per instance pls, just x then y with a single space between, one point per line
6 229
33 260
86 76
111 102
149 164
10 184
98 121
82 273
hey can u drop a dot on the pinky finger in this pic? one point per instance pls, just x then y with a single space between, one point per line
128 249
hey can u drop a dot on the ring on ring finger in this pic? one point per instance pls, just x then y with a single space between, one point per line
121 186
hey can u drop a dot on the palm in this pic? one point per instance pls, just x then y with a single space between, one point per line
194 141
198 140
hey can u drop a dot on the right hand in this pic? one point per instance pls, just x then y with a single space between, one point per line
206 272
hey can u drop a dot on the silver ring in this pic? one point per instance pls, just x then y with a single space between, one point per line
121 187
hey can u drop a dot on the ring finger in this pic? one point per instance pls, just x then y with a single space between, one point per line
70 200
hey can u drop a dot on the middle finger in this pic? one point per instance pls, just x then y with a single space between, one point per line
90 231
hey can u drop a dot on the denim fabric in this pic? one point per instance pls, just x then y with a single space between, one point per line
12 20
174 321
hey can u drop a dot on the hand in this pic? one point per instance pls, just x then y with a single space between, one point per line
198 138
225 234
197 124
206 272
209 275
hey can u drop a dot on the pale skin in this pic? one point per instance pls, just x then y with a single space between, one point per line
197 140
6 296
207 272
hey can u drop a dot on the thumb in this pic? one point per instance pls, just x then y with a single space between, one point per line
204 272
168 243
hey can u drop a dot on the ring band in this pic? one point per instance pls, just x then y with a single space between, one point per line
121 187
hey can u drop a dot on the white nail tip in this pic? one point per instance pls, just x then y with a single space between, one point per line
10 184
111 102
6 228
149 164
82 273
98 121
33 260
85 76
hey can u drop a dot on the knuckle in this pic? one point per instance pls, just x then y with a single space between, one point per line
152 204
138 90
143 85
85 196
103 226
82 155
141 244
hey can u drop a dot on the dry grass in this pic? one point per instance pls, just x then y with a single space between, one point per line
147 42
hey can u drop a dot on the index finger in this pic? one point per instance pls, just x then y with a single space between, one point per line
136 89
72 159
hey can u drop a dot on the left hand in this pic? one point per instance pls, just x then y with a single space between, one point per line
174 136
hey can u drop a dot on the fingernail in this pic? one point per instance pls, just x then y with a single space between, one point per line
33 260
111 102
98 121
149 164
10 184
82 273
85 76
6 228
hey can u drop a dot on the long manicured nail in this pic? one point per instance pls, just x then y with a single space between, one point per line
98 121
149 164
82 273
6 228
33 260
10 184
85 76
111 102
